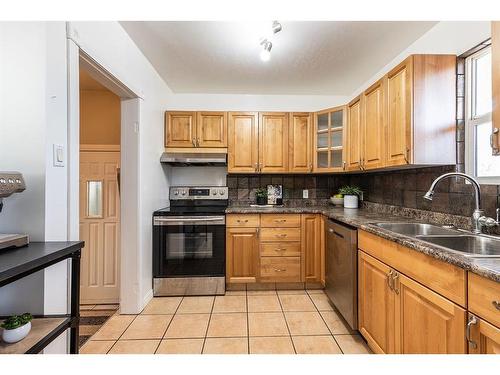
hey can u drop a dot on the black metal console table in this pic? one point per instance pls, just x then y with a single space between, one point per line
21 262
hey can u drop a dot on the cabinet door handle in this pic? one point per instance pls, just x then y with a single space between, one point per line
310 167
256 167
257 230
343 165
395 277
496 304
472 320
197 142
194 142
389 280
407 151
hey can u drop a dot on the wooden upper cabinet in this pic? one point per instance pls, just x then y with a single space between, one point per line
399 114
376 304
373 127
300 142
211 129
243 142
180 129
242 255
273 142
354 135
312 246
428 322
329 137
495 66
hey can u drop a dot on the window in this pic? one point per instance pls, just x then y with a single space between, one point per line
478 100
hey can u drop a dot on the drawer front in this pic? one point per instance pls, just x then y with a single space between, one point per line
484 298
280 221
242 221
280 249
279 234
280 269
446 279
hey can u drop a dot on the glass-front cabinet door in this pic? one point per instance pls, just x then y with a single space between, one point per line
329 140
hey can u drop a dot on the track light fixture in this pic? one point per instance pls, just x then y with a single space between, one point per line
276 27
267 45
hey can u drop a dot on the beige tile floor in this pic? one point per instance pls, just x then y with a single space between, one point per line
266 322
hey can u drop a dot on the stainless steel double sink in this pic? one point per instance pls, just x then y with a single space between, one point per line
477 246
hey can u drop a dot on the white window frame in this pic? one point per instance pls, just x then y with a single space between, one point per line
472 121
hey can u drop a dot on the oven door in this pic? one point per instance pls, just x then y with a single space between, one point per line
187 246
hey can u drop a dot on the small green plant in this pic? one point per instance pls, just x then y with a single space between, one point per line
16 321
350 190
261 193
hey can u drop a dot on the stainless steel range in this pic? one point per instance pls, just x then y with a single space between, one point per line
189 242
10 183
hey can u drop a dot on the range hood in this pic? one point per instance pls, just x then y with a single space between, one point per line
191 158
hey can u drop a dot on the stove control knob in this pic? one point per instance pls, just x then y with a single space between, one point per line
214 192
176 192
183 192
221 191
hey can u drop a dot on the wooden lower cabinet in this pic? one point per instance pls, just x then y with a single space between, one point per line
242 255
399 315
312 247
376 304
484 338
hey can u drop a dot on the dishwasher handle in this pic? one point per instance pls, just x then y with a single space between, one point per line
331 230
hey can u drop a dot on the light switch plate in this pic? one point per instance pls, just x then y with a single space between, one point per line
58 156
305 193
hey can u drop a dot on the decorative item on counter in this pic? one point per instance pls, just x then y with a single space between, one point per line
337 200
261 196
351 195
275 194
16 327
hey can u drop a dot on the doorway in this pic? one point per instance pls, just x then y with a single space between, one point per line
99 192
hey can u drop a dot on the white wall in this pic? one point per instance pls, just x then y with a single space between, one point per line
111 47
447 37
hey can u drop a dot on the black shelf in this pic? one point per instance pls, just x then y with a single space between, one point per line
17 263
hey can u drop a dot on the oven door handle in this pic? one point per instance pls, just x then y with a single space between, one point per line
183 220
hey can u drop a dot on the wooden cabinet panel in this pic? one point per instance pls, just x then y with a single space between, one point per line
273 142
242 255
180 129
243 142
300 142
484 337
211 129
399 114
373 129
242 220
484 298
280 249
354 135
376 304
429 323
280 269
312 247
280 221
495 76
279 234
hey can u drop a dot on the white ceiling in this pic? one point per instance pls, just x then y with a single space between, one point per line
316 58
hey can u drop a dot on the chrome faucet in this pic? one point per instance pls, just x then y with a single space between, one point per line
478 218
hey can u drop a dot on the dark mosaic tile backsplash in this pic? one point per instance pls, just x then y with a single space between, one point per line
403 188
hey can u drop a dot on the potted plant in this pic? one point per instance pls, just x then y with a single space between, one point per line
351 195
16 327
261 196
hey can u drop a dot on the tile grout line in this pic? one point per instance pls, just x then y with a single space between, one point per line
112 346
287 327
168 325
208 325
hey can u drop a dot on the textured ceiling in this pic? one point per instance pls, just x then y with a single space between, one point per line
322 58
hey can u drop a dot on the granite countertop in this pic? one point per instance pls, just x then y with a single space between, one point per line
365 219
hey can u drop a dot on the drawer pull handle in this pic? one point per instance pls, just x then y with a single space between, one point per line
282 235
279 249
280 220
496 304
242 221
280 269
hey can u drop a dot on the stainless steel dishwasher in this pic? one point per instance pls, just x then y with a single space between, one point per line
341 270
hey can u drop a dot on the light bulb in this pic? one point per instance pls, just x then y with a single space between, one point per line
265 55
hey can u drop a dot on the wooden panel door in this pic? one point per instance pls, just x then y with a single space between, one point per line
300 142
311 247
211 129
484 337
495 76
273 142
376 304
100 227
428 323
242 255
180 129
373 128
243 142
354 135
399 114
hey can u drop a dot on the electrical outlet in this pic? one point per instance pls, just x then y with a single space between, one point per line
305 193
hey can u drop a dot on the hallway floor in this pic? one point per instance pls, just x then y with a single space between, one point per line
253 322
